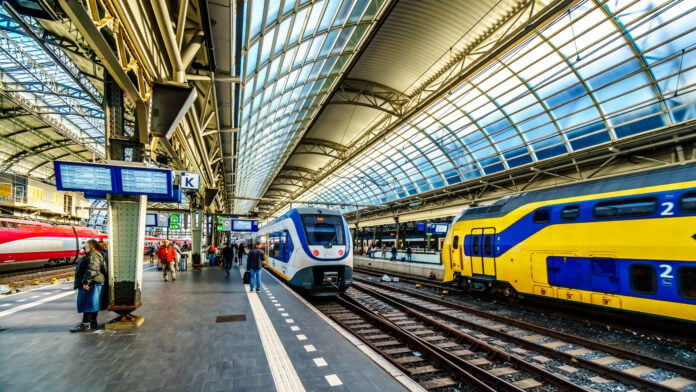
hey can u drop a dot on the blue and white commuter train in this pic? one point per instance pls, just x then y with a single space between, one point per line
310 248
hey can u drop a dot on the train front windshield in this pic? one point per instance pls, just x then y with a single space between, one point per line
324 230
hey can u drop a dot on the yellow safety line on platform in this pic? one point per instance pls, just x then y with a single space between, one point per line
284 375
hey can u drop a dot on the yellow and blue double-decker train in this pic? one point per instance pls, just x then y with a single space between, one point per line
625 243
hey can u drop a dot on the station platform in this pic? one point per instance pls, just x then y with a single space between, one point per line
272 340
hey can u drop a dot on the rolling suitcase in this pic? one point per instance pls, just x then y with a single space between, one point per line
183 263
247 277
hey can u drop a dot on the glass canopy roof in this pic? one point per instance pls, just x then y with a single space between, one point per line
596 74
296 51
30 75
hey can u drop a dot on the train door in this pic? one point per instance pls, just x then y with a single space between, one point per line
455 252
482 252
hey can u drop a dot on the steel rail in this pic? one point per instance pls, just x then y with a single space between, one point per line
587 364
479 378
619 352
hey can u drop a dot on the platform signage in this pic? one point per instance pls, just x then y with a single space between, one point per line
84 177
97 180
241 225
190 181
174 218
145 181
226 224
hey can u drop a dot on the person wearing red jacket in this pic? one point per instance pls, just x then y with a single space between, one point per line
167 254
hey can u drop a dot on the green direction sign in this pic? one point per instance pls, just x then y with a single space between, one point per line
174 226
429 234
174 218
219 227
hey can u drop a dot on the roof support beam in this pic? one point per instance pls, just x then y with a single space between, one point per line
78 15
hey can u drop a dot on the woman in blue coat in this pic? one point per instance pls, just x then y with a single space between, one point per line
89 282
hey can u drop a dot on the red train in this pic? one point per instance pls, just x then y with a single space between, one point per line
26 244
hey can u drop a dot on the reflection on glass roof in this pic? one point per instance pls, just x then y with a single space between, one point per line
295 53
599 73
28 74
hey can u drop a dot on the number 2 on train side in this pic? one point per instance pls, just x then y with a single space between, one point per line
666 271
668 207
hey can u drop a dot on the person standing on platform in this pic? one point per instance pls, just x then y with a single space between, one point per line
167 256
393 252
240 252
254 262
89 281
227 256
177 256
211 254
409 253
384 251
152 251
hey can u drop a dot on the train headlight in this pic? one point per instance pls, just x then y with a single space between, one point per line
315 252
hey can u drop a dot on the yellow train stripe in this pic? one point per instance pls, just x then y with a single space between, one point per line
275 271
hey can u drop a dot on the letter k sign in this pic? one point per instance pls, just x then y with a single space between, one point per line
190 181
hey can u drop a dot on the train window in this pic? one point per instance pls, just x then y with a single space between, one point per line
686 278
323 229
687 203
640 206
570 212
455 242
542 215
643 278
487 246
475 246
603 267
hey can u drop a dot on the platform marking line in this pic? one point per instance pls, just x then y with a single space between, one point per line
294 328
35 303
277 305
320 362
290 321
392 370
281 309
21 300
301 337
310 348
284 374
35 296
274 300
5 304
285 314
333 380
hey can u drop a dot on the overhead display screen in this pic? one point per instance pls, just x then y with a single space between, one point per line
241 225
85 177
145 181
151 220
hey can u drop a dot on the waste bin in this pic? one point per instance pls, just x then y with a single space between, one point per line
196 262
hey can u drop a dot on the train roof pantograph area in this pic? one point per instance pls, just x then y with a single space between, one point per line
398 105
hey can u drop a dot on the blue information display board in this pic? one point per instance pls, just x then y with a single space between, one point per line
142 181
84 177
97 180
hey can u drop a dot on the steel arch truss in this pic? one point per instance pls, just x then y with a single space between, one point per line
372 95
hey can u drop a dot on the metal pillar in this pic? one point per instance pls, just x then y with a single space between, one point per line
398 227
126 213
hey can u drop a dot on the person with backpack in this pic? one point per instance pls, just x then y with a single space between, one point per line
211 254
167 255
254 263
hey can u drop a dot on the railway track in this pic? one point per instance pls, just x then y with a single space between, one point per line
446 347
650 327
18 279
